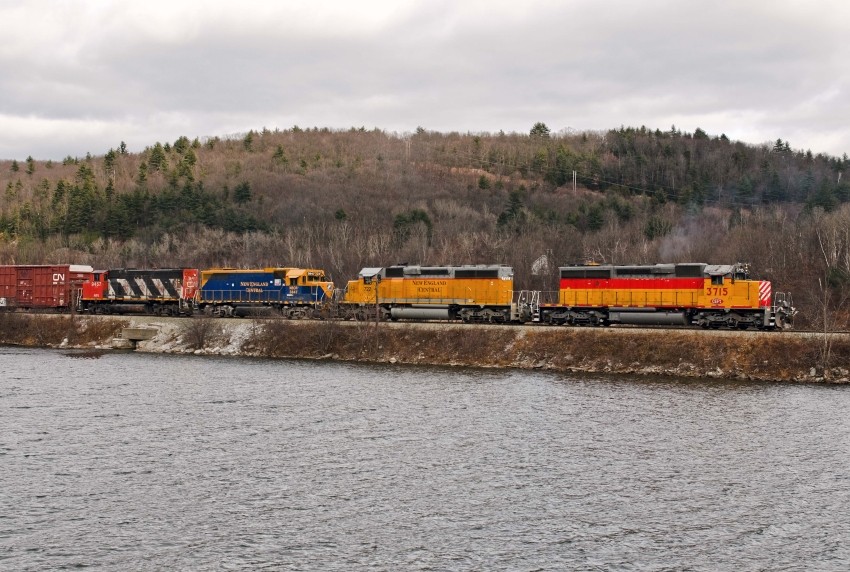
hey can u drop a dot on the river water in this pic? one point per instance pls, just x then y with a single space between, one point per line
147 462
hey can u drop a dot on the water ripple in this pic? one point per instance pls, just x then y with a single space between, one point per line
161 462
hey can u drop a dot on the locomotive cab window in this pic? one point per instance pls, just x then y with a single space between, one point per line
293 281
717 280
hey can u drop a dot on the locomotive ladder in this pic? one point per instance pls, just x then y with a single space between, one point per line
529 301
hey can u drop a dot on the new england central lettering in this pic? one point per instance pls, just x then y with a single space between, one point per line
254 287
429 286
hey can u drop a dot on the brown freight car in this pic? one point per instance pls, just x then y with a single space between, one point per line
53 287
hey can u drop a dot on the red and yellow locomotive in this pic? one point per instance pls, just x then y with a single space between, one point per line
707 295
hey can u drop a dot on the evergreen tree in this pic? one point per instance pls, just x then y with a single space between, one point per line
404 223
824 198
280 156
182 144
59 194
157 158
656 227
109 161
595 217
42 190
539 129
514 215
745 189
774 192
242 192
561 172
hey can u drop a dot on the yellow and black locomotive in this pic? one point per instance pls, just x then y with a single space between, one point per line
469 293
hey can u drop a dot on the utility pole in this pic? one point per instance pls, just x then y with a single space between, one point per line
377 282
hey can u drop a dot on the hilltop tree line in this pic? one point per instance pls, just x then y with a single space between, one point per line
344 199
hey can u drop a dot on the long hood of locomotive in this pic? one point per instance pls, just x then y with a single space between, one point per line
701 293
144 288
438 291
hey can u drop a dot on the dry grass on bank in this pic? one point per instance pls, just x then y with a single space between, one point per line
768 356
761 356
281 338
53 330
201 331
355 341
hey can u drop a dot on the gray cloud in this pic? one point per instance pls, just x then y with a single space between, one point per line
78 77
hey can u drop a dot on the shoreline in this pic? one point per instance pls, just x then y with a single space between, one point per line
751 356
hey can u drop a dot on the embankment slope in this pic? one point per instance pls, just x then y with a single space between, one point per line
692 353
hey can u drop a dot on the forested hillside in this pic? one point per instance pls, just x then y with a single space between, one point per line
341 200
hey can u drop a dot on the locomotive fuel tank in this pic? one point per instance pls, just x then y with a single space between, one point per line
421 313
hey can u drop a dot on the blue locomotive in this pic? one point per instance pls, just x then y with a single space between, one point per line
293 292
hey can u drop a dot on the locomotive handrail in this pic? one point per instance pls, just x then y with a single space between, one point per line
235 296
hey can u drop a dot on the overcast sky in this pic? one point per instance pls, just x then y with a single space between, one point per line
82 76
